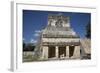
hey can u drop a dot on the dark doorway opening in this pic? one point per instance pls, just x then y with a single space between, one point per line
71 50
51 51
62 51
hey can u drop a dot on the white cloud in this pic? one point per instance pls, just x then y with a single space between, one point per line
33 41
37 33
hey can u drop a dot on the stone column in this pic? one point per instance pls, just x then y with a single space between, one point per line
76 54
67 51
57 51
45 52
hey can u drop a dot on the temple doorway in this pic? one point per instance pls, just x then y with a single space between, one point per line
71 50
51 51
62 51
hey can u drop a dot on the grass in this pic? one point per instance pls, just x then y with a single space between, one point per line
29 58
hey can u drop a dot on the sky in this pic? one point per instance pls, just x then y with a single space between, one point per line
35 21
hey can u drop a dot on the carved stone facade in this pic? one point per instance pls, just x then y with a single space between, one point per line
58 40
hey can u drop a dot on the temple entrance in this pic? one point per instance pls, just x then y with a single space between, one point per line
62 51
71 50
51 51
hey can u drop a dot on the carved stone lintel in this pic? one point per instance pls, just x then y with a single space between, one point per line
61 43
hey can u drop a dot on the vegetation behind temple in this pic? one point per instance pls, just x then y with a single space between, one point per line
28 46
88 30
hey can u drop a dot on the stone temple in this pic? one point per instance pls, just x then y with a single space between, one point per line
58 40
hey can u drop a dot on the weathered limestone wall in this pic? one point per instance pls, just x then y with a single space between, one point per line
60 39
45 52
86 44
76 54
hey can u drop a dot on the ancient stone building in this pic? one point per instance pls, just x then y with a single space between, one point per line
58 40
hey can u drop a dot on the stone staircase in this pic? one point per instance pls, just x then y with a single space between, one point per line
85 47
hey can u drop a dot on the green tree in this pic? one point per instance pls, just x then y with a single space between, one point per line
88 30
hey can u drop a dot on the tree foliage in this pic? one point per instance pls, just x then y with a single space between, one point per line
28 47
88 30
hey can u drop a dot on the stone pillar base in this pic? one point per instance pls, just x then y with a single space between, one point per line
67 51
76 54
57 51
45 52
